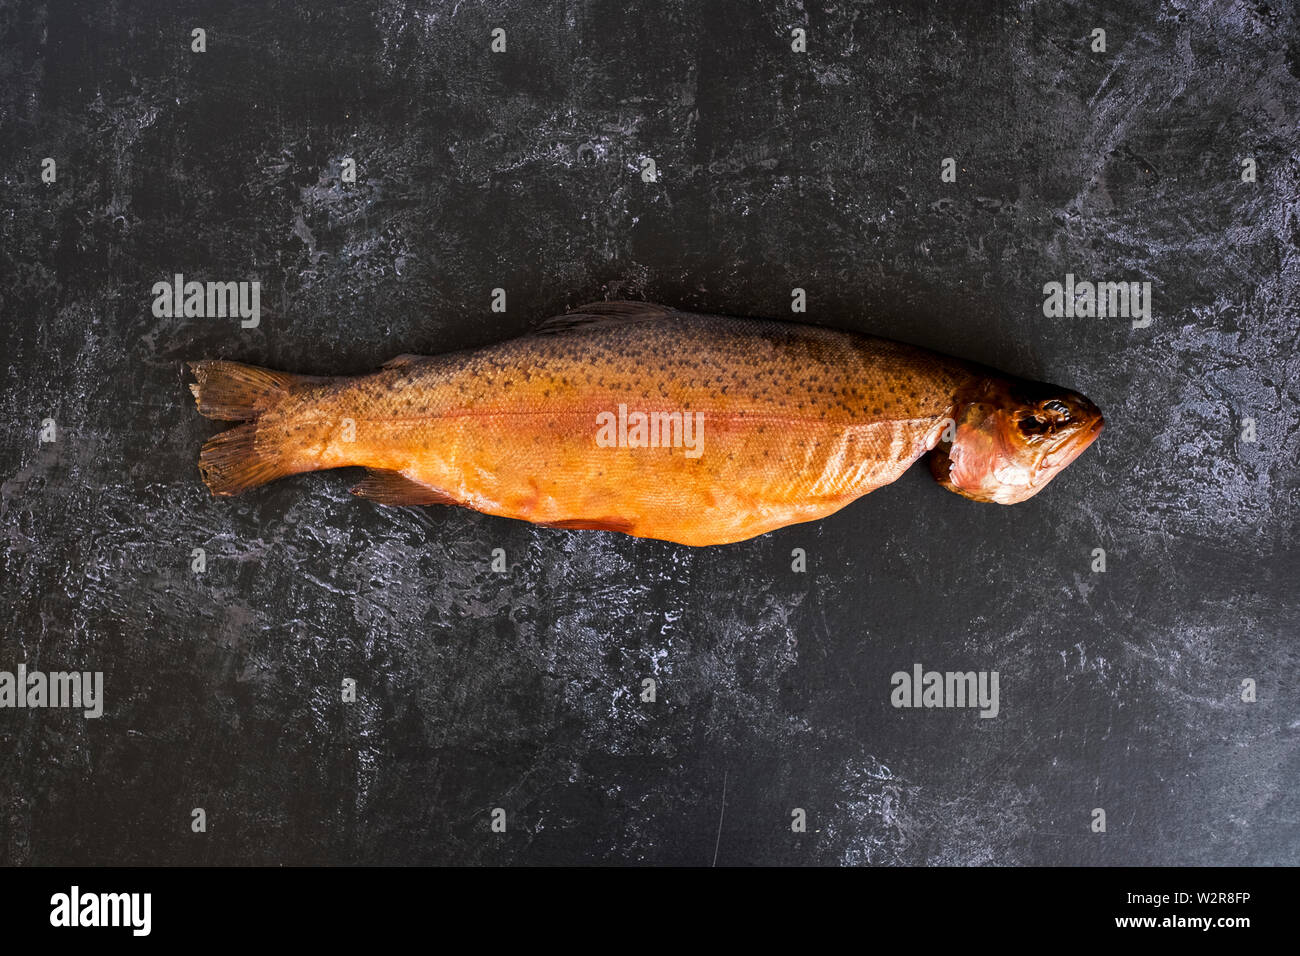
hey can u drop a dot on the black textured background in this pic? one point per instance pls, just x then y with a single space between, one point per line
776 169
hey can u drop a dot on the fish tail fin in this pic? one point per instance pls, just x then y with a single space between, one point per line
235 392
233 462
239 458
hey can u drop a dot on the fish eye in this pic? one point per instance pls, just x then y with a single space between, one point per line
1058 407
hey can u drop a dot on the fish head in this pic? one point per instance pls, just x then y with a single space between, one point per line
1012 437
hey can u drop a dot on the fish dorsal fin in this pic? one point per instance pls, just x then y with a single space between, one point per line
626 309
601 313
406 358
394 488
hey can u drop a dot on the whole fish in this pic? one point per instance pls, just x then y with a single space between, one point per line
634 417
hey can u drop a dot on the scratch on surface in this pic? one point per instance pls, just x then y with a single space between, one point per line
722 811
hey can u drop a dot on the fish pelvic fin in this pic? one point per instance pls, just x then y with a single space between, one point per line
622 525
240 458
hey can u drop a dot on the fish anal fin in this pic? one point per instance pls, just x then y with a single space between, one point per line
601 313
406 358
394 488
623 525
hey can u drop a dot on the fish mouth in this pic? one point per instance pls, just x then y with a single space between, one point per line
1091 435
1074 446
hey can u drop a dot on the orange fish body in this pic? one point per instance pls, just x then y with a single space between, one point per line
630 417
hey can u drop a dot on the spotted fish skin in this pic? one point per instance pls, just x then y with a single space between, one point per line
794 422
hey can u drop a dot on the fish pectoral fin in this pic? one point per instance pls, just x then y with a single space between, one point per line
593 524
405 358
599 313
394 488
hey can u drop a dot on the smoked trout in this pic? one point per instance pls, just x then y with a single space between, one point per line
634 417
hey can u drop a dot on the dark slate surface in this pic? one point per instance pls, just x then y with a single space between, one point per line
1119 690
